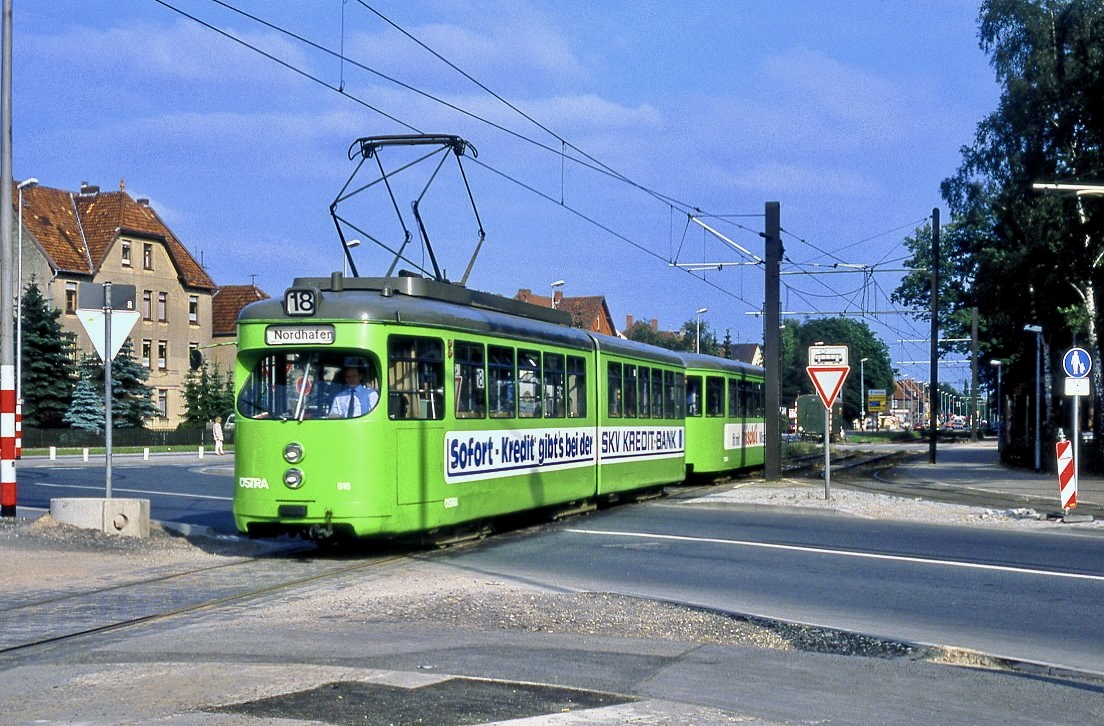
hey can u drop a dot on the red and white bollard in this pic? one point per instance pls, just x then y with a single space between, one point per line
7 441
1067 475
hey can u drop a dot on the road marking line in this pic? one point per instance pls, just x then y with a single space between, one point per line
840 553
137 491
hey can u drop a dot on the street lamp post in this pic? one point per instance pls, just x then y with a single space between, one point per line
554 285
697 335
1038 330
1000 422
25 184
345 256
862 391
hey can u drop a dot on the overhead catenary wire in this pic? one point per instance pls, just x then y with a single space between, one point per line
578 156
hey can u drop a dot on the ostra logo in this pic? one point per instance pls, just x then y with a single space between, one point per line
252 482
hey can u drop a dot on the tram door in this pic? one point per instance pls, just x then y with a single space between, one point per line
415 403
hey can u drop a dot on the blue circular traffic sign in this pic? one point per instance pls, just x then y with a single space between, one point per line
1077 363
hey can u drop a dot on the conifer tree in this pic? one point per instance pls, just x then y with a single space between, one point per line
131 399
48 370
86 412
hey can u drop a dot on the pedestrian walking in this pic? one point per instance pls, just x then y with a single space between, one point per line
216 433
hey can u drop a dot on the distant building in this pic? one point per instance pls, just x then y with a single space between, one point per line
587 312
75 238
226 304
747 353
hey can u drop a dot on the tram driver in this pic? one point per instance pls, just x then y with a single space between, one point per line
354 398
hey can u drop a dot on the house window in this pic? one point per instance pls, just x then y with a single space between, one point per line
162 354
125 246
147 255
71 298
163 307
147 349
147 305
193 309
163 402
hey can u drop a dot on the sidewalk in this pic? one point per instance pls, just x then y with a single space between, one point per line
977 466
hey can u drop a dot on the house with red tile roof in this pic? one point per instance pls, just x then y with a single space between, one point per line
225 306
74 238
588 312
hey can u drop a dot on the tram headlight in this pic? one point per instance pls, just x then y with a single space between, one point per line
293 478
293 453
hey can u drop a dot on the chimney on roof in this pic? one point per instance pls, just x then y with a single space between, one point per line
86 188
557 296
628 322
655 325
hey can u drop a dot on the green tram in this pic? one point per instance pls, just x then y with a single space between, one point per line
390 406
725 410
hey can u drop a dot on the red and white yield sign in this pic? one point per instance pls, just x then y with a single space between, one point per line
1067 481
828 380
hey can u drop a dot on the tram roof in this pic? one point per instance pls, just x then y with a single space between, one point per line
697 361
419 301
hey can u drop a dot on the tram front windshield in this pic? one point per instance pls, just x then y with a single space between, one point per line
311 385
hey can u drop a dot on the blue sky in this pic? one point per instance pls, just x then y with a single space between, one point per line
848 113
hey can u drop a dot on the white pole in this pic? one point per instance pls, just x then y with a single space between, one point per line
827 454
53 453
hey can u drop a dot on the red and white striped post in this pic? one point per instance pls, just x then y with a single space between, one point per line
7 440
1067 475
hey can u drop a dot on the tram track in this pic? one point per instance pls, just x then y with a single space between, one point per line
33 627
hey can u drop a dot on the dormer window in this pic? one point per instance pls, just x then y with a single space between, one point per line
126 252
147 256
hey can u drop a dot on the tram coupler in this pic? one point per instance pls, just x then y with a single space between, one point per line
322 533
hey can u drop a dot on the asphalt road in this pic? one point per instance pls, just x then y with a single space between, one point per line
181 487
1020 595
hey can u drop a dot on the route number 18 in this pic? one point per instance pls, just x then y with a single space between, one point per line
300 302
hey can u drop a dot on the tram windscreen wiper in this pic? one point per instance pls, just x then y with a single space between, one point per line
303 387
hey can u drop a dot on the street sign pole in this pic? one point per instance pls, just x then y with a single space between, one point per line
828 368
107 387
827 454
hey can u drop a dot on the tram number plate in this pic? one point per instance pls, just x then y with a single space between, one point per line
299 302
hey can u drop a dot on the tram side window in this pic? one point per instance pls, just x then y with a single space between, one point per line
554 386
693 395
678 396
615 393
415 376
737 399
669 394
630 391
576 387
657 393
644 400
757 400
471 381
501 370
529 384
714 396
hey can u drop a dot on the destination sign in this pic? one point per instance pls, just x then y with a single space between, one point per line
299 335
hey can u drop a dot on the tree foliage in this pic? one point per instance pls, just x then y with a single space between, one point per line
207 393
131 399
48 370
86 412
861 343
1020 256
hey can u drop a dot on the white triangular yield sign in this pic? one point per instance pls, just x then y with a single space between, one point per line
95 324
828 380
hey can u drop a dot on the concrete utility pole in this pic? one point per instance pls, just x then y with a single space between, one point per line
974 372
934 414
7 312
772 342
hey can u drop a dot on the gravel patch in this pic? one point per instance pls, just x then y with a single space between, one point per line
790 493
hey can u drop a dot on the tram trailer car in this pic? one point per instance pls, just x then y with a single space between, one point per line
725 410
474 407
